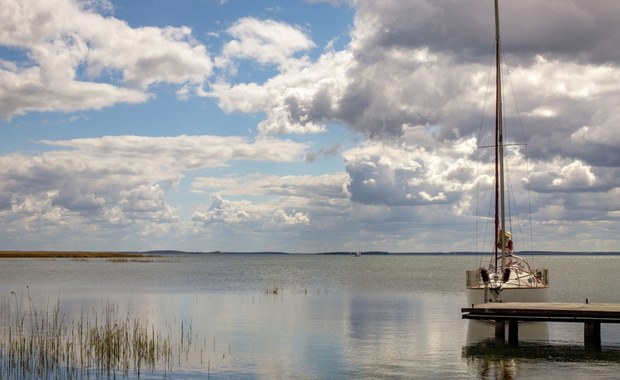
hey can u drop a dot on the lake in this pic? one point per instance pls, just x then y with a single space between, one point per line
313 316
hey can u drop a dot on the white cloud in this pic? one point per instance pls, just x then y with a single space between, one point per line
163 155
326 186
603 125
25 90
264 41
81 60
280 216
575 175
296 101
223 211
116 181
273 199
268 208
254 215
562 176
410 175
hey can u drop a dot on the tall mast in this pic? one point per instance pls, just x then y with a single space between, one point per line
500 216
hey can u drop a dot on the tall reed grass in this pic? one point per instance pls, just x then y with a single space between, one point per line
42 344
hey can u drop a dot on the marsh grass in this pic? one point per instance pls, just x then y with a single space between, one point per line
138 260
41 344
68 254
274 289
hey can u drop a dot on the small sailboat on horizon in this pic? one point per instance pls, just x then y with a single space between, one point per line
508 277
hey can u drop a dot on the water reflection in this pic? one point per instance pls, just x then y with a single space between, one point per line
478 331
403 335
336 317
488 367
548 352
291 334
482 347
489 358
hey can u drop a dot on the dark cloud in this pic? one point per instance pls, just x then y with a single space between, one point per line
463 29
331 151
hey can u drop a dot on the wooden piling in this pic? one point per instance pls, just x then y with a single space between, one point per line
592 336
500 334
513 332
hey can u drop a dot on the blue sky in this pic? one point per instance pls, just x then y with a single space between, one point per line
303 126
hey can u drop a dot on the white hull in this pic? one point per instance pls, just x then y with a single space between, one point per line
516 283
540 294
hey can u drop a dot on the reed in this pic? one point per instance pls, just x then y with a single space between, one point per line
42 344
274 289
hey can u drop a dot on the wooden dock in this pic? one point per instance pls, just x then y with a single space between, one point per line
511 313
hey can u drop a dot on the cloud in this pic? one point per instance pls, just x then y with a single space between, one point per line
409 175
276 199
313 156
296 101
78 59
280 216
414 81
263 41
564 177
430 68
185 152
116 181
225 212
268 210
25 90
575 175
326 186
464 29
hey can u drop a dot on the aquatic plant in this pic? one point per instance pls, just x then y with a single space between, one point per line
274 289
41 344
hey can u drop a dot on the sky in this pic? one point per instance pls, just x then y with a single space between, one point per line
305 125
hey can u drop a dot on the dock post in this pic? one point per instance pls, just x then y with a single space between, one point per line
500 334
513 333
592 336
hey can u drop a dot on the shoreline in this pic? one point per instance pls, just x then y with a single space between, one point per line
67 254
150 254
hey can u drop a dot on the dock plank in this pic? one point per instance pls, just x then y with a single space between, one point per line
547 309
612 307
591 314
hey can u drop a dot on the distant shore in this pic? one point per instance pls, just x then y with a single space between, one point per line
66 254
160 253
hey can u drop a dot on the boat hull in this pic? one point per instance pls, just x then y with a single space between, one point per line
522 294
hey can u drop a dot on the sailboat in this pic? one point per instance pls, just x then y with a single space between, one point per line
508 277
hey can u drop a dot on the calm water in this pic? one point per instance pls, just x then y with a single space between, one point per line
332 316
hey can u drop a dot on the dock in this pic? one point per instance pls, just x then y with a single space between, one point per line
511 313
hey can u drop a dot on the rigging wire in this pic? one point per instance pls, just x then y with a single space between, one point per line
479 139
527 169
